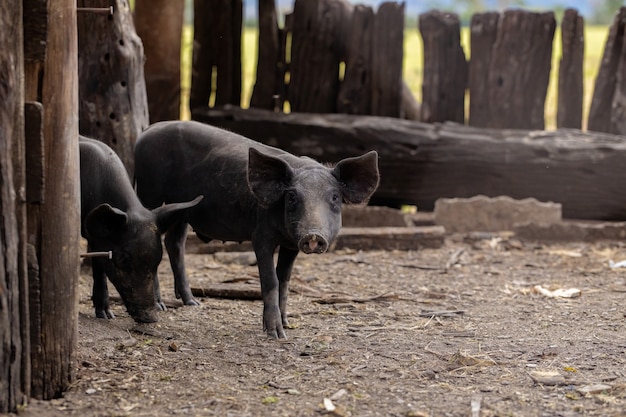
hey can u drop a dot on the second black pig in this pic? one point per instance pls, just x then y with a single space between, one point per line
252 192
113 219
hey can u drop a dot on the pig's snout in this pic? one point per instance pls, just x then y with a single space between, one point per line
313 243
143 315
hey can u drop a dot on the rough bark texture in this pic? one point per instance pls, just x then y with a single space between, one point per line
54 226
520 69
315 56
14 345
420 163
216 53
445 68
266 86
570 102
113 102
159 25
483 31
601 113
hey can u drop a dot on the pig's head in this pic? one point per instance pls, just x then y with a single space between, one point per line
311 194
134 238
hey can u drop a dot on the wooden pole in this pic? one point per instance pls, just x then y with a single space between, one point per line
14 325
54 225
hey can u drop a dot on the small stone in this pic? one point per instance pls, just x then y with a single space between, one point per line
594 389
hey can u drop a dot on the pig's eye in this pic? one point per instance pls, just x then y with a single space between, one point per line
335 201
122 260
292 200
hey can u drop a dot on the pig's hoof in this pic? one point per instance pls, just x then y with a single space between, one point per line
104 314
160 305
192 302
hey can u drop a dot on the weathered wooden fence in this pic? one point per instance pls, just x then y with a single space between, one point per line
332 57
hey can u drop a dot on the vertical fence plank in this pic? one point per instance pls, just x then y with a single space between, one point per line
387 56
483 31
606 81
216 67
445 68
520 69
159 25
267 67
570 95
355 95
315 56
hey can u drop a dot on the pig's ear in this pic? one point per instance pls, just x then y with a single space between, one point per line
105 221
267 177
358 177
168 214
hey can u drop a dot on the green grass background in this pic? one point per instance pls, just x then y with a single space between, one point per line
595 38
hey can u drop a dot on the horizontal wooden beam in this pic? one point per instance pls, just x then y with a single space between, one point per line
420 163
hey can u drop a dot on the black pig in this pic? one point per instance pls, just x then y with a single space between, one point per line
252 192
113 219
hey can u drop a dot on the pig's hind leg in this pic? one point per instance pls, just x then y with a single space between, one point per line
100 294
175 245
286 259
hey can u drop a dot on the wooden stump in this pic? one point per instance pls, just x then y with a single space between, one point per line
609 95
113 106
570 102
387 55
216 53
520 70
159 25
483 30
445 68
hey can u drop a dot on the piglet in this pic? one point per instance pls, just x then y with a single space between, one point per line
114 220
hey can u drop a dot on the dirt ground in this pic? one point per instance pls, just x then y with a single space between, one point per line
458 331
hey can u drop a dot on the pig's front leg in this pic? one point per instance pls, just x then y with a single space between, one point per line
175 245
100 294
272 322
160 305
286 258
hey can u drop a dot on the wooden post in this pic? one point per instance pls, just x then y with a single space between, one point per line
520 69
54 222
159 25
14 319
315 56
483 31
266 84
387 56
445 68
113 104
609 96
570 103
355 92
216 53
